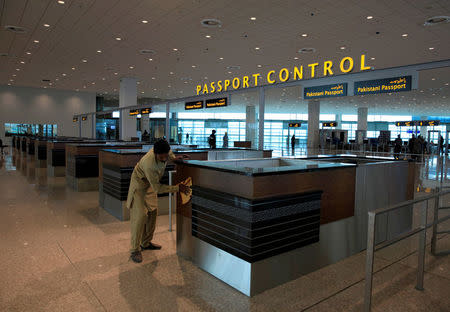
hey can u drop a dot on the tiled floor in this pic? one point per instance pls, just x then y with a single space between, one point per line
60 252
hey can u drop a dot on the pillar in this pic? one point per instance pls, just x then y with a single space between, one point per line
250 125
361 131
313 123
339 121
127 97
423 129
94 126
167 130
262 102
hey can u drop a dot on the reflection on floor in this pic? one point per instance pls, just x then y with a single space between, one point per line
60 252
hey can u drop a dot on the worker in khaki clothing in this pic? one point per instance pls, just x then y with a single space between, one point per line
143 197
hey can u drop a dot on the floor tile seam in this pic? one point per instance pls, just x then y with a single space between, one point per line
355 283
80 276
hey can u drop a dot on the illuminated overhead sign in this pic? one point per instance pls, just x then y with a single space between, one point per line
421 123
221 102
146 110
134 112
388 85
329 124
84 118
333 90
75 119
193 105
295 125
326 68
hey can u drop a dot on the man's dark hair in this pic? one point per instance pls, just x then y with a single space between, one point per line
161 147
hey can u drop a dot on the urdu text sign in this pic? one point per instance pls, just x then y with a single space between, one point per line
334 90
388 85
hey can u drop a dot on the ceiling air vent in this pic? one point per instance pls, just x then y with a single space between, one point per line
437 20
211 22
146 52
15 29
45 80
4 54
233 67
306 50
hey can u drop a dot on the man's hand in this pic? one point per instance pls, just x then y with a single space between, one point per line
184 189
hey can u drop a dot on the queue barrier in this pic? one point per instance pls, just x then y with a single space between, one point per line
421 230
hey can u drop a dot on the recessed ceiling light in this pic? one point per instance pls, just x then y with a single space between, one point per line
405 35
9 84
150 59
171 73
103 78
18 69
77 90
118 38
144 22
253 18
99 51
259 65
14 75
46 25
431 48
433 78
304 35
64 75
220 58
73 68
154 89
185 82
169 86
142 92
153 78
175 49
369 17
29 53
229 72
342 48
257 48
116 74
84 61
446 83
295 58
11 80
57 79
36 41
61 2
93 83
22 62
131 67
193 66
208 36
372 58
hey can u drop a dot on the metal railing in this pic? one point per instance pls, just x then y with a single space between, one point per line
171 199
421 230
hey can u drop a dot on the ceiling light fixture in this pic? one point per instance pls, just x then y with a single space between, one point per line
118 38
257 48
64 75
208 36
342 48
61 2
259 65
18 69
22 62
220 58
36 41
304 35
193 66
84 61
253 18
73 68
211 22
433 78
405 35
431 48
153 78
144 22
175 49
295 58
46 25
171 73
369 17
29 53
150 59
99 51
131 67
116 74
372 58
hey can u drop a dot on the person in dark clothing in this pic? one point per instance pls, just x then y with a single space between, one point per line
397 147
293 144
441 144
212 139
1 147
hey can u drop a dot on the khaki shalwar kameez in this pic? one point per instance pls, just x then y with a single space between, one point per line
143 200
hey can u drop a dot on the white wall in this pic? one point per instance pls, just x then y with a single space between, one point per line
45 106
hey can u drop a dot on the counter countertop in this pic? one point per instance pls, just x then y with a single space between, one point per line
288 166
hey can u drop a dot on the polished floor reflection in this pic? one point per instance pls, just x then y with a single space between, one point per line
61 252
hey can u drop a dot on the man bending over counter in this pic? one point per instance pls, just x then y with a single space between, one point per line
143 196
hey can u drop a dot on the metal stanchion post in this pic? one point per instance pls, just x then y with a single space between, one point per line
422 244
170 200
435 226
369 261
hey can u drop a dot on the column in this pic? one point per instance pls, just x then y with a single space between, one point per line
361 132
262 102
313 124
127 97
250 125
423 129
167 131
339 121
94 126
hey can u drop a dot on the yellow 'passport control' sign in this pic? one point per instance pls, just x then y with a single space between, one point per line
327 68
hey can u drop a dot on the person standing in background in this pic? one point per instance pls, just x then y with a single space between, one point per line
441 144
293 144
225 140
397 147
212 140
